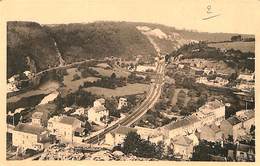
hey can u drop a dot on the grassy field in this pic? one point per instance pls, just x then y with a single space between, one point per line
74 85
130 89
44 89
242 46
109 72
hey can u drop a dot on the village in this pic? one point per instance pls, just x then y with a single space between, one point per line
158 96
234 134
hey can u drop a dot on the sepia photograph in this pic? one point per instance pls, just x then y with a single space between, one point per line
117 88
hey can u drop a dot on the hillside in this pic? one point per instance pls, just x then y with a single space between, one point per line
28 39
191 34
48 45
235 59
100 39
242 46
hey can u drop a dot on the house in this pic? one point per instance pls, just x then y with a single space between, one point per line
13 83
79 111
64 127
221 81
183 146
27 136
199 73
213 111
14 78
68 109
246 77
217 158
153 135
211 133
231 127
118 135
217 82
12 87
208 71
202 80
194 138
238 125
245 153
241 153
122 103
184 126
28 74
180 66
247 117
40 118
145 68
104 65
98 113
246 87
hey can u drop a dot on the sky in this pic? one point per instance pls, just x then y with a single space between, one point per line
237 16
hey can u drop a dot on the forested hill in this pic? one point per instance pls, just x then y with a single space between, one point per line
99 40
75 42
28 39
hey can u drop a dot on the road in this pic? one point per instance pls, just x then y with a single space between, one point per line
64 66
151 98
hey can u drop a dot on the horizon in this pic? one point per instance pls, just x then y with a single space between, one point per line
99 21
180 15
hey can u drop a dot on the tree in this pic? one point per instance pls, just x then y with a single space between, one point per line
160 150
201 152
252 129
131 143
187 83
170 153
140 147
87 127
230 138
75 77
175 109
181 98
113 76
185 112
236 38
111 105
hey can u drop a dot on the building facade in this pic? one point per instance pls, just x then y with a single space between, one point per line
64 127
98 113
27 136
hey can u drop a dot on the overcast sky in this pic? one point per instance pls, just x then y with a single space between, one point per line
241 16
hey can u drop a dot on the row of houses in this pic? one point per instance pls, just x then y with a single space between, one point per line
66 129
246 86
180 134
35 136
208 123
217 82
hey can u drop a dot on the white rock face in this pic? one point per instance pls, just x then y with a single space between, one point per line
157 33
143 28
